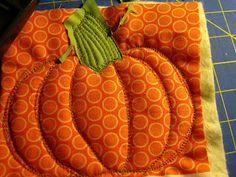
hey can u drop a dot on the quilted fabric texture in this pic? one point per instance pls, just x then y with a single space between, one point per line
140 116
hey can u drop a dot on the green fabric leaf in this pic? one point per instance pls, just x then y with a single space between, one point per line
91 37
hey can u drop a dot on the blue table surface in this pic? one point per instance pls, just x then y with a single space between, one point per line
221 21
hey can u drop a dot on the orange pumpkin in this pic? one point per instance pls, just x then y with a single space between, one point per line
126 119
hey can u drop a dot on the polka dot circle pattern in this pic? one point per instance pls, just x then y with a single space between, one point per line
157 130
88 131
164 20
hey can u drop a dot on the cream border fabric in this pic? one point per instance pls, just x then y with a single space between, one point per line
211 122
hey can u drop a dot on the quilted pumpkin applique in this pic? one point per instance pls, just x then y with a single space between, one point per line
109 97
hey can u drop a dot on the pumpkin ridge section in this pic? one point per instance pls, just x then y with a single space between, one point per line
75 124
159 158
100 114
36 108
11 143
165 95
138 71
145 54
129 119
39 117
61 136
6 126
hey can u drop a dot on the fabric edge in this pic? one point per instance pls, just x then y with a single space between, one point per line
212 129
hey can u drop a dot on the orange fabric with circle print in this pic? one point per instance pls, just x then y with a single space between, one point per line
141 116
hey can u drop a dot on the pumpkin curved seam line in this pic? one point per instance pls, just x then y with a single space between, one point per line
157 78
165 95
179 74
127 103
39 119
7 132
75 124
155 74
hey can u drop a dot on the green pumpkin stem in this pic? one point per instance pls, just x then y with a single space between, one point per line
91 37
130 9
